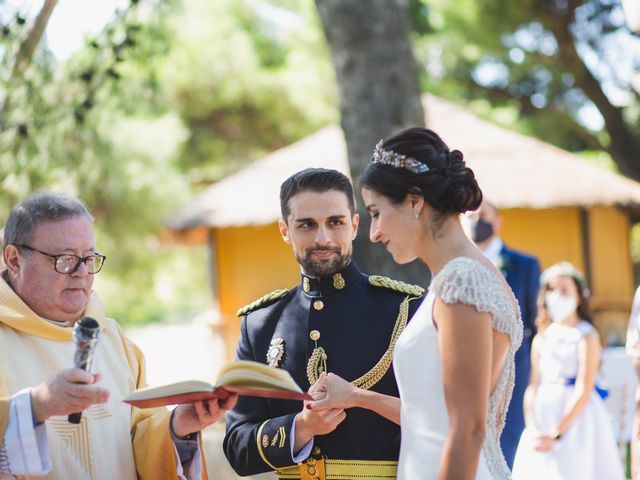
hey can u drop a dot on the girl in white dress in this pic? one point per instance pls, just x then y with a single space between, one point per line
568 434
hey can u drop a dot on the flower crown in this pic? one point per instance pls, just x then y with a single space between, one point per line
565 269
397 160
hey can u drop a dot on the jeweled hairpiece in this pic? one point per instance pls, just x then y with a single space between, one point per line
397 160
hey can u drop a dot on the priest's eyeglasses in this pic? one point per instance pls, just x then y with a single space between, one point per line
67 263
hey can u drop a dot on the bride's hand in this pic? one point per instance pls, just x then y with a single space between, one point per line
338 393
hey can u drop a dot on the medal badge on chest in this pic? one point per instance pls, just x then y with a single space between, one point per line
275 352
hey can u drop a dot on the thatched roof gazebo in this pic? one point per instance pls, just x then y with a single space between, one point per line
554 205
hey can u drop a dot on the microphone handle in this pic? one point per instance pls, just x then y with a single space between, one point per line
76 417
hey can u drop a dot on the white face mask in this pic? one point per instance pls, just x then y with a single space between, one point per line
559 306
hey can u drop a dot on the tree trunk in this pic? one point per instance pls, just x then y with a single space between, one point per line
25 55
28 47
379 90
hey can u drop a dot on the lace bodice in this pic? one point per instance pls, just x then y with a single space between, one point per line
468 281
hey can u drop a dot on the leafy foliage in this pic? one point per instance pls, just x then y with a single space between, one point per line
566 68
168 94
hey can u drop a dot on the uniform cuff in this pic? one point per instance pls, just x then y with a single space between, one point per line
305 451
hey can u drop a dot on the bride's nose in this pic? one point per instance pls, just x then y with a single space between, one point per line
374 233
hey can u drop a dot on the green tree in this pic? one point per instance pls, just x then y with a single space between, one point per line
169 94
246 78
566 68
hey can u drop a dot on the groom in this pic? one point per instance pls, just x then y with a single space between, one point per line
522 273
338 320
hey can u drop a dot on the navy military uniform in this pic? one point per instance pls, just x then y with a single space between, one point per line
346 324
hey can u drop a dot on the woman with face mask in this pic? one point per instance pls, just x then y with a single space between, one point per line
568 434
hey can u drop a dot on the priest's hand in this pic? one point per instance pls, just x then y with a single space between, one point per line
193 417
70 391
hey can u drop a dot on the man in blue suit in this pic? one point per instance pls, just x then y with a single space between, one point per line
522 273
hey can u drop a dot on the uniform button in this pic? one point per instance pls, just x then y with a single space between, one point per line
314 335
318 304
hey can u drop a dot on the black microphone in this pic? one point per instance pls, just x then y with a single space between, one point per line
85 336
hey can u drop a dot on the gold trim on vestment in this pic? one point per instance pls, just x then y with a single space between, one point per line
347 469
373 376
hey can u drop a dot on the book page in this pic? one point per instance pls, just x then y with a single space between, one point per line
254 374
179 388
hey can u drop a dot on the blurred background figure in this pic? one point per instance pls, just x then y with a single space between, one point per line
633 349
568 434
522 273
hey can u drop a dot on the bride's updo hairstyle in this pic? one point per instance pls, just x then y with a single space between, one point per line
417 161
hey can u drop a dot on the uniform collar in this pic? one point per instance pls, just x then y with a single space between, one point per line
320 286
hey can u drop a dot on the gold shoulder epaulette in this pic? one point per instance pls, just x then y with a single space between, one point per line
397 285
262 301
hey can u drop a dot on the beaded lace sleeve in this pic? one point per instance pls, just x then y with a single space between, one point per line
465 280
468 281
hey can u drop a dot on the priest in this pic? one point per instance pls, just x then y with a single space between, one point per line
51 259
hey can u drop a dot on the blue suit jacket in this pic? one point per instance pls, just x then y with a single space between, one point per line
522 273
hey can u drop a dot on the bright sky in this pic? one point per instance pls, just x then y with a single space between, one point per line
71 21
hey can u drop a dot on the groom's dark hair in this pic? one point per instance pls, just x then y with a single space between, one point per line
318 180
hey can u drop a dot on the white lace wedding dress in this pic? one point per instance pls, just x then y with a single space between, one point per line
418 370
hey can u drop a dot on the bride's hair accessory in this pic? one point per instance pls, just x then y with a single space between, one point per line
397 160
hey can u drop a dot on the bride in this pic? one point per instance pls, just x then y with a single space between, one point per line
454 362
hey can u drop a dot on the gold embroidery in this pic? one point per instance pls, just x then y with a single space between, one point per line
338 281
305 285
373 376
262 301
75 438
316 365
262 455
396 285
312 469
283 436
275 439
98 412
344 469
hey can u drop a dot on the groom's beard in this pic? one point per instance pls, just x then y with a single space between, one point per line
323 268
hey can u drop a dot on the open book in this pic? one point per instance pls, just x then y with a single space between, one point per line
243 377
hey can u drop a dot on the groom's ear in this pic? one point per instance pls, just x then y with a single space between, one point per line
355 221
284 231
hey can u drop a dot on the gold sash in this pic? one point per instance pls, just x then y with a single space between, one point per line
330 469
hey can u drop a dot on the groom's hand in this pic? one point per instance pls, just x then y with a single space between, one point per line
310 423
338 393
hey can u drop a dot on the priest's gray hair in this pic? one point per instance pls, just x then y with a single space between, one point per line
37 208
